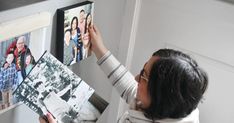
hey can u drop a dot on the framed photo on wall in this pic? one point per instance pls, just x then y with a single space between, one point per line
73 41
19 49
16 60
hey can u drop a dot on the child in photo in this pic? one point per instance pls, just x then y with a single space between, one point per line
8 81
70 49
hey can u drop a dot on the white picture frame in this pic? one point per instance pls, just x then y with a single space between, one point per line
37 25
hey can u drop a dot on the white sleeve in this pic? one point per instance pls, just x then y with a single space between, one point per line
119 76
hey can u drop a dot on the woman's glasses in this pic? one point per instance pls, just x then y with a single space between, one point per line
142 76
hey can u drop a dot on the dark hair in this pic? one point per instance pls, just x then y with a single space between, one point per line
176 85
82 10
10 52
67 30
86 22
76 22
3 64
174 53
28 54
37 84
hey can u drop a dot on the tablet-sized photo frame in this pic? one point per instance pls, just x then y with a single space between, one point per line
19 49
16 60
73 40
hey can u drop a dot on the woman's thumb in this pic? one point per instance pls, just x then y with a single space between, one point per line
50 118
91 31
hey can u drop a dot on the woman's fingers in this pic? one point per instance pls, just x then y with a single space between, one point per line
92 31
41 120
50 118
97 44
96 30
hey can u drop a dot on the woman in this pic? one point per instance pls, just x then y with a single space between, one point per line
75 36
86 37
28 63
70 49
167 90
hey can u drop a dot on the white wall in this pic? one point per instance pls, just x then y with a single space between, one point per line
202 28
108 16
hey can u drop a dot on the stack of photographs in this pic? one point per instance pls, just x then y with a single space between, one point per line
52 87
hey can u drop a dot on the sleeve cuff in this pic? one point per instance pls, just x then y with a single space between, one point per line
104 57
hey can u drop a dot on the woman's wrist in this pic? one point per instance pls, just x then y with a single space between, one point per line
99 52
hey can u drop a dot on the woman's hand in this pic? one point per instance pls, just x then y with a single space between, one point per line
97 45
49 117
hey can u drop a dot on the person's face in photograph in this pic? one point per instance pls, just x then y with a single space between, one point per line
41 87
67 36
20 43
5 65
10 58
82 16
28 60
74 26
89 19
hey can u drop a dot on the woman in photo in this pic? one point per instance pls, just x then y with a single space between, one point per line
86 37
28 63
76 36
20 53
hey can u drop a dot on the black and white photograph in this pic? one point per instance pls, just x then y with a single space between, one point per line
52 87
73 24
